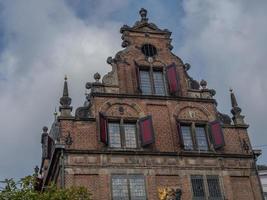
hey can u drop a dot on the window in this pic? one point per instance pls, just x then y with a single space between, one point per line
149 50
152 82
128 187
187 137
201 139
214 187
156 81
122 135
159 83
198 187
145 82
200 184
194 137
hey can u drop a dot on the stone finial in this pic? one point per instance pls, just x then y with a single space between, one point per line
36 170
55 114
233 99
187 66
236 110
65 100
45 129
97 77
44 134
143 14
110 60
203 84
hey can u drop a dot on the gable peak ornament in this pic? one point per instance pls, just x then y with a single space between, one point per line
143 14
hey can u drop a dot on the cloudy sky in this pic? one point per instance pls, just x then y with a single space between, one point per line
41 41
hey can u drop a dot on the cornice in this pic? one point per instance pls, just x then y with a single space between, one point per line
153 97
156 153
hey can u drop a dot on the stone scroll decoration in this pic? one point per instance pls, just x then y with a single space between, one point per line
169 193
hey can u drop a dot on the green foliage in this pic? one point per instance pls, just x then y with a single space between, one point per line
24 190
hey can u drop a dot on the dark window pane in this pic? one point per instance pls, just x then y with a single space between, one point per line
137 188
187 137
145 82
120 188
214 187
130 135
159 83
198 187
201 138
149 50
114 135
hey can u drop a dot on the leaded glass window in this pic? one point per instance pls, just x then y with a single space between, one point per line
137 188
130 135
120 188
198 187
214 187
152 82
114 135
122 135
145 82
159 83
128 187
194 136
206 187
187 137
201 139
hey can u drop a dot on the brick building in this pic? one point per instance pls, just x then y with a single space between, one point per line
148 130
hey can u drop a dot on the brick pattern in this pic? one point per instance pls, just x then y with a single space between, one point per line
89 181
162 129
242 188
234 138
85 136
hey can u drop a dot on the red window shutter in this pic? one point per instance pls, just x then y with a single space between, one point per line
103 128
172 79
180 135
137 73
217 134
146 130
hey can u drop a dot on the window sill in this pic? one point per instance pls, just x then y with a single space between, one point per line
197 151
125 149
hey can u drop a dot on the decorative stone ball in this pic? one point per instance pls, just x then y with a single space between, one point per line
45 129
203 83
97 76
187 66
109 60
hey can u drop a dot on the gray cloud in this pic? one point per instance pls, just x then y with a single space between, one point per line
226 42
46 40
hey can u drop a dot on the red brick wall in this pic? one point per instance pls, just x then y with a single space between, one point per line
241 187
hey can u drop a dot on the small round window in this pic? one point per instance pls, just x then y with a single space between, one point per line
149 50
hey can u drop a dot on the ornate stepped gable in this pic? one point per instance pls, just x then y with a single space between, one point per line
148 130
